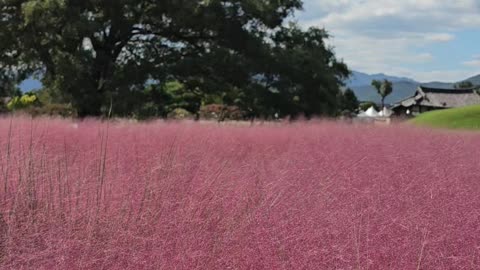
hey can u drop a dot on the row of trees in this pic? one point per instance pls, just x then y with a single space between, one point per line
142 57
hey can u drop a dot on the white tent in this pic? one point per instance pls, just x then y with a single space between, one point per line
371 112
385 112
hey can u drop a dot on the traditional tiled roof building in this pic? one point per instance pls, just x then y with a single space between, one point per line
427 99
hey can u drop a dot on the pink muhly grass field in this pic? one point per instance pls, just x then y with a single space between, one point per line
92 195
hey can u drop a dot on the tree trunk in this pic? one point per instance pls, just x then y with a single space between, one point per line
90 110
89 102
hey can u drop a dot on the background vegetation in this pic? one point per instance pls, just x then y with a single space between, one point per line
147 58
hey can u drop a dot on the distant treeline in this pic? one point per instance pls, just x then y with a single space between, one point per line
138 58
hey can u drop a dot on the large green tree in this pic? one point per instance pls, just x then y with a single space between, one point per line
296 74
306 71
98 54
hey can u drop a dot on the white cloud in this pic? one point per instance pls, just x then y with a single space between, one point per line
474 62
393 35
382 55
440 37
424 57
405 15
453 75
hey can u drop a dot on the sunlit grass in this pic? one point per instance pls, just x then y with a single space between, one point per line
467 118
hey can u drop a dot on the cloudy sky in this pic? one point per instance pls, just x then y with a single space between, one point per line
428 40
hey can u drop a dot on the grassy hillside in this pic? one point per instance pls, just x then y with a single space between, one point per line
460 118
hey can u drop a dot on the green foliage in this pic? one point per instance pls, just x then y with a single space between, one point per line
40 103
159 100
146 58
45 96
34 10
384 89
179 114
8 86
177 95
22 102
348 101
367 105
467 118
464 85
299 75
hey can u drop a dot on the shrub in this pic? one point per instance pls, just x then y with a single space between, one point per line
22 102
63 110
180 114
221 112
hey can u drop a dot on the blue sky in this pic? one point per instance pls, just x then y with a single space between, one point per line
427 40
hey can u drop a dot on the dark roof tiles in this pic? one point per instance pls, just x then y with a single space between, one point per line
442 98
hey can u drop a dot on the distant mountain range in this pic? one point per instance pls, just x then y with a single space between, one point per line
403 87
361 79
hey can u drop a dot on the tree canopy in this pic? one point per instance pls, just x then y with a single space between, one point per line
464 85
384 89
126 54
348 101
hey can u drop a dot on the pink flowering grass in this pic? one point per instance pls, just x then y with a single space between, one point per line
92 195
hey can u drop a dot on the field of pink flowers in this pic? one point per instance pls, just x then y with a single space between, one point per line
92 195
